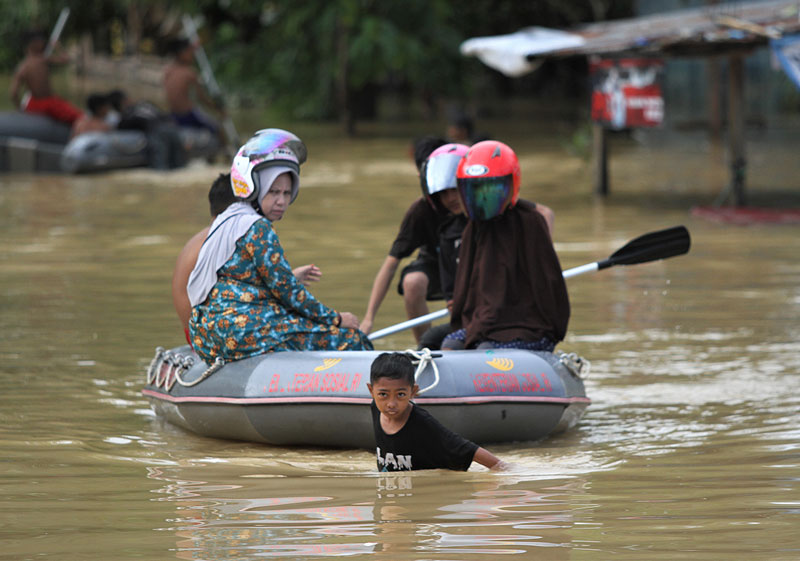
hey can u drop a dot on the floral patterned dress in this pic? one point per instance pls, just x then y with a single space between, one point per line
257 306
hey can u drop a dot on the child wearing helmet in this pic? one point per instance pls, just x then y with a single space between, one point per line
420 229
509 288
245 297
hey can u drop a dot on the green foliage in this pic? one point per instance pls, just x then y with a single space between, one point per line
317 58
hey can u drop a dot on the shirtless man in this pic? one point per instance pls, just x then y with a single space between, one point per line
181 83
33 73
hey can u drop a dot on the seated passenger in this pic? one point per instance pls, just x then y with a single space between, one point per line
95 120
509 289
220 196
245 299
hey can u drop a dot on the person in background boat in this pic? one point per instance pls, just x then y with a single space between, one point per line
245 298
181 84
419 280
407 437
509 287
33 73
94 120
220 197
165 149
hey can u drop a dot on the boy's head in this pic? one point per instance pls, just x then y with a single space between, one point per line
181 49
35 41
118 100
424 146
220 196
98 105
392 384
395 366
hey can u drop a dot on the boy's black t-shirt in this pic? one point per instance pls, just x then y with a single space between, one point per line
422 443
419 229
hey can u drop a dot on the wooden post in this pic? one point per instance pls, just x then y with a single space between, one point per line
600 154
736 125
714 97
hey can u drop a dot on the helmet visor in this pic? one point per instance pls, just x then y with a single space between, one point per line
440 172
486 197
267 141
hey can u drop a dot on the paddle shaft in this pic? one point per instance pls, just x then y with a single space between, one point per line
209 80
574 272
57 29
647 247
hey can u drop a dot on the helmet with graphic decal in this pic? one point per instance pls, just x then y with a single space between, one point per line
488 180
267 154
438 172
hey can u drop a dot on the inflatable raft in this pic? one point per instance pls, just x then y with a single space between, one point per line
320 398
35 143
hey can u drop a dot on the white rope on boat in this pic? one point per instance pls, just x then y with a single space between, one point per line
176 364
188 362
576 364
424 357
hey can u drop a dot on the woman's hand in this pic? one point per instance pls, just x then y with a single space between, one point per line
366 326
349 321
308 274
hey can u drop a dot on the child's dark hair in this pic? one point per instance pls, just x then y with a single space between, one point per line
395 366
177 46
220 196
95 102
423 147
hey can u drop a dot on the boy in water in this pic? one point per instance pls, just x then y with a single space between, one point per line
407 436
33 73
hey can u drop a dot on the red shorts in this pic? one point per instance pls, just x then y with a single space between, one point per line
55 108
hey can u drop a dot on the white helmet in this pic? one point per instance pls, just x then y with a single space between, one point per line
267 148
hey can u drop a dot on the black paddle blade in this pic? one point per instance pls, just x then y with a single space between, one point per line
651 247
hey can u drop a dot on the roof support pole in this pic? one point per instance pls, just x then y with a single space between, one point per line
736 126
600 155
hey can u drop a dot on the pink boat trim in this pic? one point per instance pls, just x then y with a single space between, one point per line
365 400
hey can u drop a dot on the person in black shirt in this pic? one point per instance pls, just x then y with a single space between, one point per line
407 437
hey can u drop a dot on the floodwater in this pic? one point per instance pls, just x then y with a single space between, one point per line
690 449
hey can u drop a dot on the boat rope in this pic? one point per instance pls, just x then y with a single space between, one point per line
219 362
167 367
151 370
576 364
423 358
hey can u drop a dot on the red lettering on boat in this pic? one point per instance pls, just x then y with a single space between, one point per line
356 382
275 384
497 382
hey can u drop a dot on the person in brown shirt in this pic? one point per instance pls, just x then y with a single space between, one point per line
509 290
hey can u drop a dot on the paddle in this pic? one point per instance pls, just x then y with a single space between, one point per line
644 249
56 33
210 82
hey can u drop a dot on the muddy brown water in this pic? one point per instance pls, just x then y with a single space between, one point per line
690 450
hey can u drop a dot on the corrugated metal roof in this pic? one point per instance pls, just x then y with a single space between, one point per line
691 32
708 30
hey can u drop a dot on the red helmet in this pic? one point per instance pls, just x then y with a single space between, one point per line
488 179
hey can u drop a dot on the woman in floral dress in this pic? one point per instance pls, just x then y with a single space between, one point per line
245 298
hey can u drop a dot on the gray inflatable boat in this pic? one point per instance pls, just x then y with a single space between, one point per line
320 398
34 143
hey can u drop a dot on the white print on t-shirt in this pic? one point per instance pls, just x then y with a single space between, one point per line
397 462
